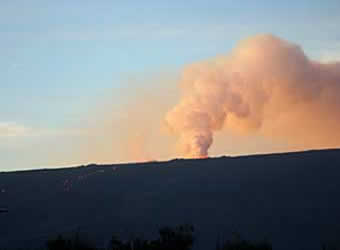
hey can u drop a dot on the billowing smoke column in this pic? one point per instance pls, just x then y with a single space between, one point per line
266 86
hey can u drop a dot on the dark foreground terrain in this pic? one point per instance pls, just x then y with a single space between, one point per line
292 199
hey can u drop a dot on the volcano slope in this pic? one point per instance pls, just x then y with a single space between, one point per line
291 199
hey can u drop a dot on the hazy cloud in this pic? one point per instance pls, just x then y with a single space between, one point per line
13 129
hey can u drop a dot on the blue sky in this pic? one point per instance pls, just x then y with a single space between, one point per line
59 58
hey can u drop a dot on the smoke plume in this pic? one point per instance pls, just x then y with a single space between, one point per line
266 86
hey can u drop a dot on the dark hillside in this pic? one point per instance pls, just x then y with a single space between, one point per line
292 199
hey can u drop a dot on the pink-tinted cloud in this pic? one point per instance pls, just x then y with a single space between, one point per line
266 85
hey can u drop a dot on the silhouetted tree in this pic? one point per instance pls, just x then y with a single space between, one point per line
116 244
178 238
330 246
58 244
237 243
73 243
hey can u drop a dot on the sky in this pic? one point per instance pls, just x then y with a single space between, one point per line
68 66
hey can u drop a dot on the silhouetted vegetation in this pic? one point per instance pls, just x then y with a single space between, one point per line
72 243
330 246
177 238
237 243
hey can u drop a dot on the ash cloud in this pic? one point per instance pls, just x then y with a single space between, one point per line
266 85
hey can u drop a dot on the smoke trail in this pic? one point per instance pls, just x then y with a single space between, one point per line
266 85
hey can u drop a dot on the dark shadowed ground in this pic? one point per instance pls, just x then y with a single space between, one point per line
291 199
